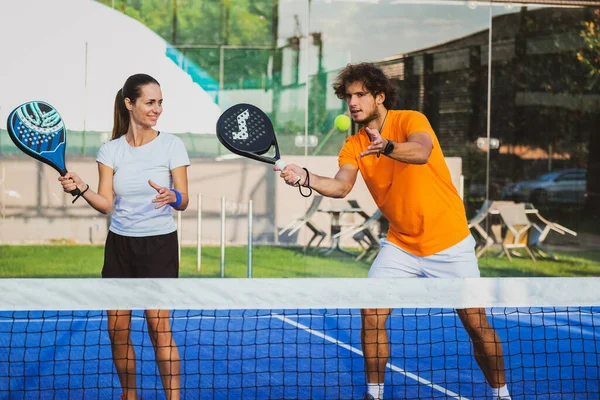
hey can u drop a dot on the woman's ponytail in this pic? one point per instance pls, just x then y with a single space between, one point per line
121 116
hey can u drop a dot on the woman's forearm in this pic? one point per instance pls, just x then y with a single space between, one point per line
97 201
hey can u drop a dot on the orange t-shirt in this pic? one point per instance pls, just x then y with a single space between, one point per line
424 209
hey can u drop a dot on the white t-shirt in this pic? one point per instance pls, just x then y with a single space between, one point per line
134 214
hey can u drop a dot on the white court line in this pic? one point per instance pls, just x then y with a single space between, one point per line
40 320
529 320
521 317
572 316
357 351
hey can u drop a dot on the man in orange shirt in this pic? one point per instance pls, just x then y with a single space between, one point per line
403 166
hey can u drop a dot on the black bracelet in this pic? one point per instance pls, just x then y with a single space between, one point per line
306 184
80 194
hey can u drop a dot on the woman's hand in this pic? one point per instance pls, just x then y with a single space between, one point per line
165 196
71 181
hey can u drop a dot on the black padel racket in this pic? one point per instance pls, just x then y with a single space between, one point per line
246 130
38 130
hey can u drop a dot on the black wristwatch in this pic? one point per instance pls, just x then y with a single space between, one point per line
389 148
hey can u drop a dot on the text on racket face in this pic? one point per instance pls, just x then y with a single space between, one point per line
241 119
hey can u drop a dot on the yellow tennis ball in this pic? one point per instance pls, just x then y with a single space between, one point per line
342 122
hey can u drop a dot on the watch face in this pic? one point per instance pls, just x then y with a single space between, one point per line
389 147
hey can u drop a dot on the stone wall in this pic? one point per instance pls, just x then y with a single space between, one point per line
33 208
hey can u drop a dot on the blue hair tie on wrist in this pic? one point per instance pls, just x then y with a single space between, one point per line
178 199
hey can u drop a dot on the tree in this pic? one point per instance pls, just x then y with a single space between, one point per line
589 56
206 24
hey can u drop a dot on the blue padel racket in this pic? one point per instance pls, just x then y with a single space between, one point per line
39 131
246 130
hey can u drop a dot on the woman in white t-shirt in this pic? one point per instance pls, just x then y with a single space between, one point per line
143 175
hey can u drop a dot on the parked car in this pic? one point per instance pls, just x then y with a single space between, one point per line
559 187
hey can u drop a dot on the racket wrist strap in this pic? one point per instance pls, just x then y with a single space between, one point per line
80 194
178 199
306 184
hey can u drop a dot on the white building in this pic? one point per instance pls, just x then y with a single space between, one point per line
76 54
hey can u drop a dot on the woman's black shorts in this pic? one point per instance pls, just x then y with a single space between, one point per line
141 257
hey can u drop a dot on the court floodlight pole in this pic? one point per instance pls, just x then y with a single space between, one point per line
199 234
489 110
221 72
85 93
489 104
223 237
307 70
250 222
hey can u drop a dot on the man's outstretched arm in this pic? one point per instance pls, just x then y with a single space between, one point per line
416 150
337 187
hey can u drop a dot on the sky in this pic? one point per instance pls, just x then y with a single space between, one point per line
372 30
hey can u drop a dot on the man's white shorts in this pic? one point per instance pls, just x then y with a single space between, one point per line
458 261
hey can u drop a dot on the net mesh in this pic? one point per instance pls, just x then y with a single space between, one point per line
299 338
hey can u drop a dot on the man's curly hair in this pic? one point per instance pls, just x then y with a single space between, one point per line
372 77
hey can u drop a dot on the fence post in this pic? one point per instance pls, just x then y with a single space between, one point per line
250 221
199 234
179 229
223 237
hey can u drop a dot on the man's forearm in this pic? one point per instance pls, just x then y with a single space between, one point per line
329 187
410 153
